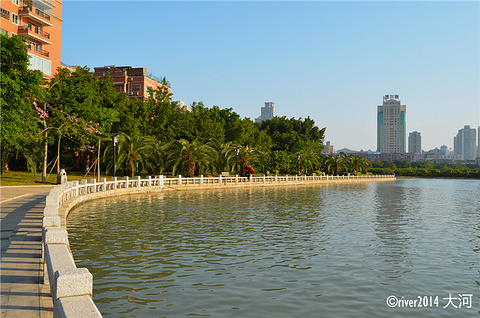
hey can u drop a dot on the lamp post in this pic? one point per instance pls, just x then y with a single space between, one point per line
114 139
236 165
298 164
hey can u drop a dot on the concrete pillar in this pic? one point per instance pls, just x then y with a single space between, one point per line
83 183
104 185
75 184
94 182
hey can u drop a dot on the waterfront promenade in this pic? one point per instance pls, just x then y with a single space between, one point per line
22 291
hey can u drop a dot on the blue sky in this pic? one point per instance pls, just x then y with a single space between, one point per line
332 61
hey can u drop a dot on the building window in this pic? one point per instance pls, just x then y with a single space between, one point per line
15 2
14 18
5 14
136 87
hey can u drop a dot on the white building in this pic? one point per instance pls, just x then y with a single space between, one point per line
391 125
465 143
181 105
268 112
414 142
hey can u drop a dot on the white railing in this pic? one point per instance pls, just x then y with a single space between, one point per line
71 287
74 189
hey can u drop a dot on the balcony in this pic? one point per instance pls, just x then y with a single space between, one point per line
35 33
5 14
35 14
38 50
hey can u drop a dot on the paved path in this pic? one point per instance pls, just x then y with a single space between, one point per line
23 294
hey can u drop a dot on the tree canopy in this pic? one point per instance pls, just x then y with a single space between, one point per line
70 114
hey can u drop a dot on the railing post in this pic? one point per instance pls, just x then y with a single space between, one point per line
104 181
263 178
149 181
75 184
83 182
126 181
161 181
138 181
179 182
94 182
114 179
201 179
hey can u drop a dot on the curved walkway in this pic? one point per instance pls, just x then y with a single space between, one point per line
22 291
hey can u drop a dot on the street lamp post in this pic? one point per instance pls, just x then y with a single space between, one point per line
236 165
114 139
298 164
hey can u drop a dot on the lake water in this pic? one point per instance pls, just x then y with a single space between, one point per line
305 251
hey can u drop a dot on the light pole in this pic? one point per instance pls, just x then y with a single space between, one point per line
298 164
236 165
114 139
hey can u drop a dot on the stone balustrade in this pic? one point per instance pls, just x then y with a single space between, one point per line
71 287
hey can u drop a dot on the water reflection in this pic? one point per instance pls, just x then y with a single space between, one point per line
392 227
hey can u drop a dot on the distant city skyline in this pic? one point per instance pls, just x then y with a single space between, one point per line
331 61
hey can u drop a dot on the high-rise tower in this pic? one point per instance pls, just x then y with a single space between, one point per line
391 125
464 144
268 112
414 142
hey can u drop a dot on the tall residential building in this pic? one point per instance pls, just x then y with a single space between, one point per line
414 142
391 125
268 112
132 80
39 22
478 144
465 143
329 149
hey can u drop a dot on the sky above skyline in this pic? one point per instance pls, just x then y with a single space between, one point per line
332 61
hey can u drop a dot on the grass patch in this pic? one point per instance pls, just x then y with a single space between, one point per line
15 178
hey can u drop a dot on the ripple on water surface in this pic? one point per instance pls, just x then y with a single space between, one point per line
334 251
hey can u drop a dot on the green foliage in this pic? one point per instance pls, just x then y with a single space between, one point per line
20 86
294 135
134 153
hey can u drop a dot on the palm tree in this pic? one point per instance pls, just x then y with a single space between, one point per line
134 152
189 156
347 163
334 164
247 156
358 163
225 156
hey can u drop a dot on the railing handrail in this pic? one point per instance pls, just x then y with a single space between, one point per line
85 187
40 32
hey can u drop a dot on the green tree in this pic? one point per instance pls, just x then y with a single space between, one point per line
134 153
188 157
20 86
225 156
334 164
